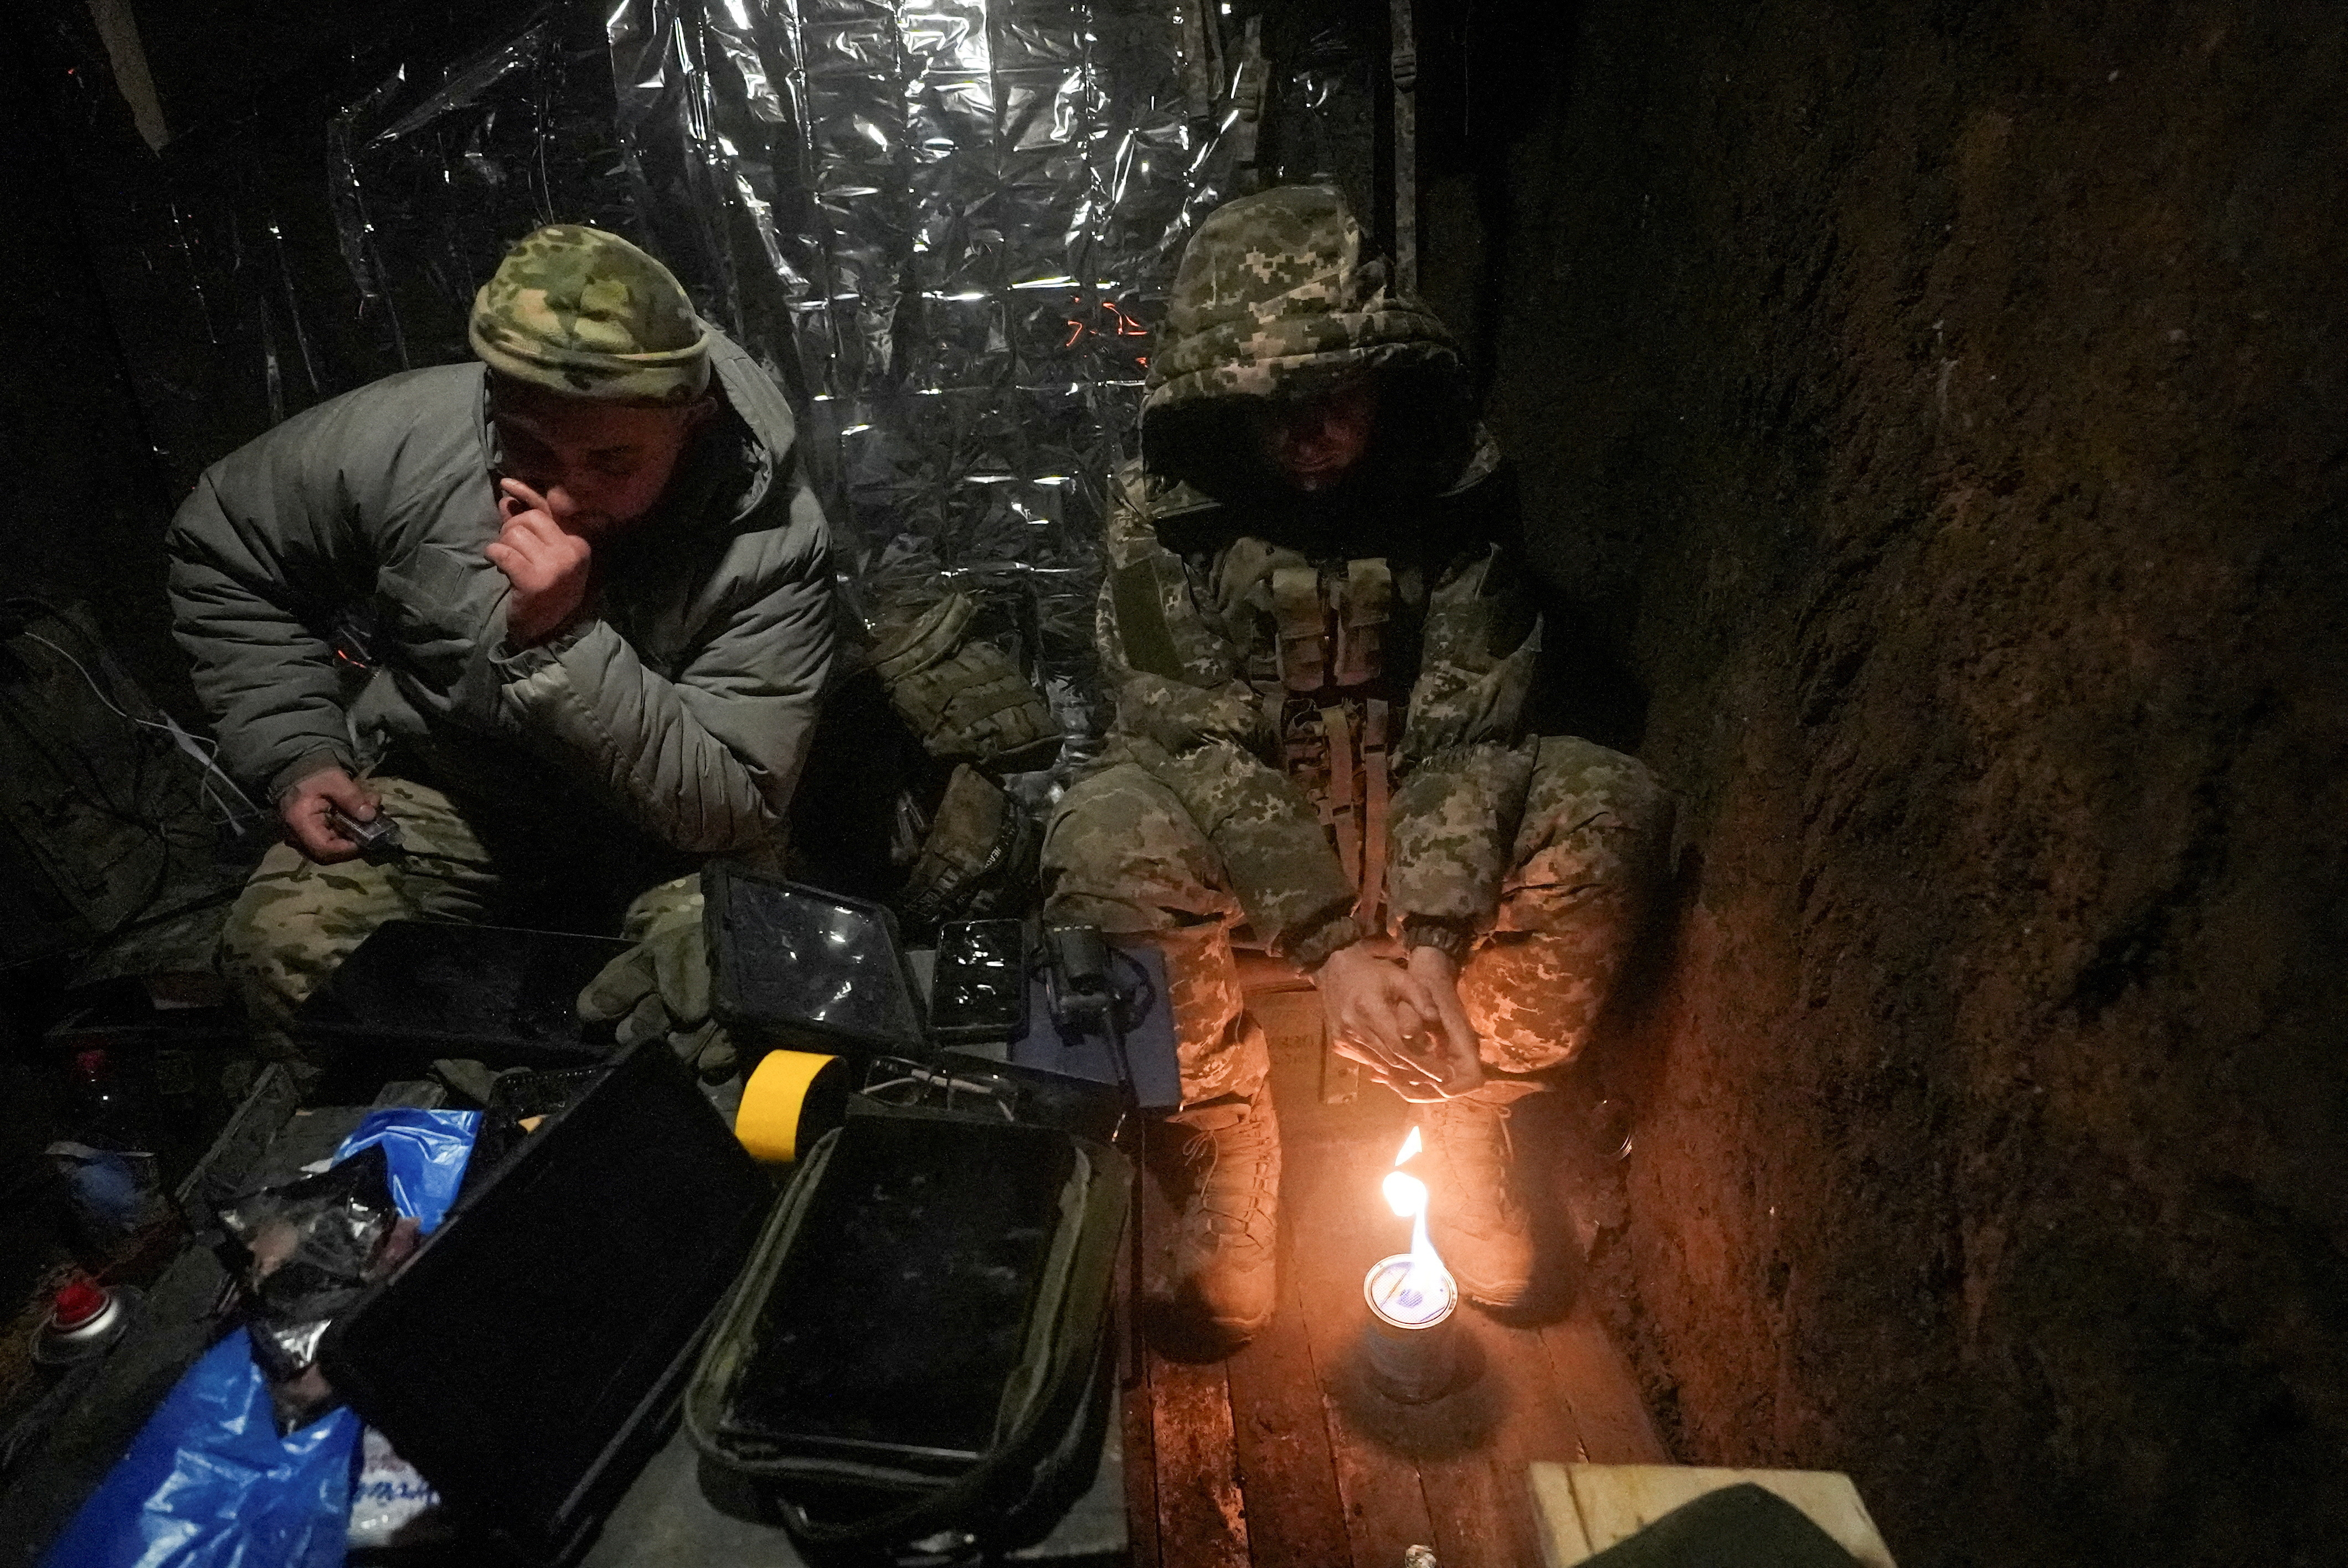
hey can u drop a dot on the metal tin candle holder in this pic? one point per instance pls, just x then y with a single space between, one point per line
1413 1346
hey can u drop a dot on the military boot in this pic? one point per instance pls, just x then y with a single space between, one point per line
1476 1215
1220 1278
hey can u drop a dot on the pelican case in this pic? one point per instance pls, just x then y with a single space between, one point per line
527 1359
918 1343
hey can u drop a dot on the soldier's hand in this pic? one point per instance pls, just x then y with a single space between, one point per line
302 810
547 563
1403 1022
1449 1044
1374 1009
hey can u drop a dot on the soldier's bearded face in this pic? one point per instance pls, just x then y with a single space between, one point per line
1317 441
601 465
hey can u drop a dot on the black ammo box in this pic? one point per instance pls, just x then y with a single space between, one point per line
417 989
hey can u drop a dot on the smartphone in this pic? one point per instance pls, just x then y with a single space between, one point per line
378 838
980 988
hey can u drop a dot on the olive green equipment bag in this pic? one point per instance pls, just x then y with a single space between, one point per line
966 697
919 1344
977 857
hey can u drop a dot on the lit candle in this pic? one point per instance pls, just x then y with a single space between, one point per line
1405 1293
1412 1289
1410 1295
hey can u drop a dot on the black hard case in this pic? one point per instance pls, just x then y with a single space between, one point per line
526 1359
417 989
877 1490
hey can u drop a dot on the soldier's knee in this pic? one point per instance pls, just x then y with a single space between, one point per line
1095 801
1536 997
1120 853
1108 825
1568 768
293 922
659 905
263 908
1590 802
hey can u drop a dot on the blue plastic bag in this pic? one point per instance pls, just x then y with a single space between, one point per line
208 1482
427 1150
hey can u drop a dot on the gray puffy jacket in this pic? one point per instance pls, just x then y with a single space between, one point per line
683 698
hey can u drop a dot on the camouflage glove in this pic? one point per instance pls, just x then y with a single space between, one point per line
963 695
660 987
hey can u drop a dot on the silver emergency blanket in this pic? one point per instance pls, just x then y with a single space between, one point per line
950 225
947 226
432 177
263 267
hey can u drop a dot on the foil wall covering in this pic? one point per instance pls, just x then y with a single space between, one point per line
259 268
949 226
431 174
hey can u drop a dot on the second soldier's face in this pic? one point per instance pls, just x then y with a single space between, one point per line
601 465
1318 441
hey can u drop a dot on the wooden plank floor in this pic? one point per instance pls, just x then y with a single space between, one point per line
1282 1456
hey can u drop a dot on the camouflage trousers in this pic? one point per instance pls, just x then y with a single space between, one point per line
1587 860
297 920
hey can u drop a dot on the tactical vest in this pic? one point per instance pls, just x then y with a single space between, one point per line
1339 715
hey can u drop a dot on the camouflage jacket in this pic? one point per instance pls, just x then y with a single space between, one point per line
681 703
1272 298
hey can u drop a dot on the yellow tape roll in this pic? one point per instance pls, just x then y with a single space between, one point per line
768 1121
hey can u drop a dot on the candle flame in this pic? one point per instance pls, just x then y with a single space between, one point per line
1405 1194
1422 1296
1424 1259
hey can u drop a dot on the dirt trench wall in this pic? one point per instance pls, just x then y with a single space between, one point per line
1944 408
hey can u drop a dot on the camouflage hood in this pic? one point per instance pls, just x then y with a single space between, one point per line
1275 300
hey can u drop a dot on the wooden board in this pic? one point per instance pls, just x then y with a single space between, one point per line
1596 1380
1534 1423
1563 1541
1385 1507
1284 1456
1201 1521
1586 1508
1295 1514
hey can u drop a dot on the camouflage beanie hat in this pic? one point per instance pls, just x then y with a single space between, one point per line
587 314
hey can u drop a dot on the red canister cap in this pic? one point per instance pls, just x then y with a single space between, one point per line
77 1304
